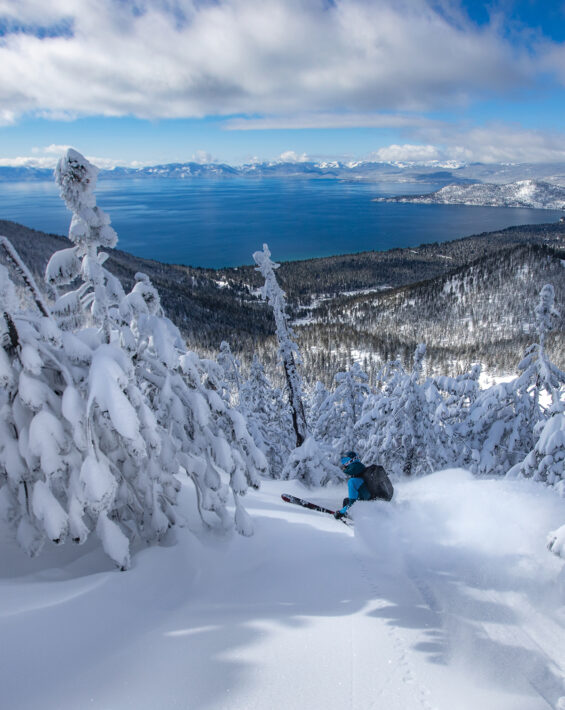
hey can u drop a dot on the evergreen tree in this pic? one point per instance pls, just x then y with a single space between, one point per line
378 407
230 366
450 418
96 425
90 230
312 463
315 402
396 432
506 419
546 461
40 440
537 371
288 350
341 410
268 417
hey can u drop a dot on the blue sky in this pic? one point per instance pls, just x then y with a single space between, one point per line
154 81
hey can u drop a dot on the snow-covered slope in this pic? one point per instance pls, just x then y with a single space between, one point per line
445 599
522 193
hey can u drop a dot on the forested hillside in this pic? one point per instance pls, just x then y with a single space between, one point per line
480 312
469 300
205 312
330 276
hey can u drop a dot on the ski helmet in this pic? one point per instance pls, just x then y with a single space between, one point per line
348 457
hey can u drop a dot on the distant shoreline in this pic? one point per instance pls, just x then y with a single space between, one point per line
521 194
221 223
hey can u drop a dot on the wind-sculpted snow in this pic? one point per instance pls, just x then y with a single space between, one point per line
444 599
522 193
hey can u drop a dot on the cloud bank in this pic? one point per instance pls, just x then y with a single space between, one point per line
46 157
195 58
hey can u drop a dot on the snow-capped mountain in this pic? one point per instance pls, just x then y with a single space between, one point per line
522 193
354 170
25 174
278 168
437 172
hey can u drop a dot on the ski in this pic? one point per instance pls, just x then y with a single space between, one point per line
311 506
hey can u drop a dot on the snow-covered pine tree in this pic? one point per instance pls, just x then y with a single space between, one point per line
324 426
97 423
546 461
231 370
450 418
281 421
396 432
90 230
27 279
308 462
246 463
313 464
39 444
378 406
205 436
498 429
538 372
341 410
505 420
288 350
86 439
318 396
268 417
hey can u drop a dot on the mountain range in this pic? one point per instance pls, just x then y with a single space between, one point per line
439 172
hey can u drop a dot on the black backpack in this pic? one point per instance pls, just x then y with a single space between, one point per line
377 482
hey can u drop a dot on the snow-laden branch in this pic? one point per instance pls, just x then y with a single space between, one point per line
25 274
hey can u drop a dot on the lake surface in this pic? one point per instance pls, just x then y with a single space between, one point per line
221 222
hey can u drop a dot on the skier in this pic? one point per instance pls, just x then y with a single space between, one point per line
356 486
365 482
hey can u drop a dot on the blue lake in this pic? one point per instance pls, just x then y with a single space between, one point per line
214 223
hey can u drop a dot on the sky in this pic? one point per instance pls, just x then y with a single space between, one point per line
138 82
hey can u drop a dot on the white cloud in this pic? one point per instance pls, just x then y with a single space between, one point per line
492 143
47 157
498 143
50 161
289 156
407 153
186 58
7 118
327 120
202 157
51 149
28 162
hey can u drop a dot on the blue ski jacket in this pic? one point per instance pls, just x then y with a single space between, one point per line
356 486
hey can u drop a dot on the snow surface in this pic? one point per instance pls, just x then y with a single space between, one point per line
444 599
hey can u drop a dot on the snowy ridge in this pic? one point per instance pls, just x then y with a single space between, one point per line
534 194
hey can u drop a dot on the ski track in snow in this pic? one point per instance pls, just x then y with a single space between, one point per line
445 599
